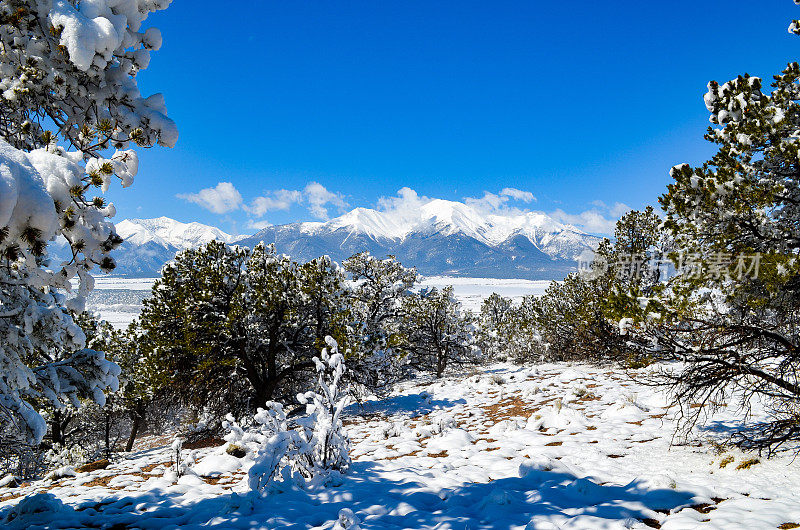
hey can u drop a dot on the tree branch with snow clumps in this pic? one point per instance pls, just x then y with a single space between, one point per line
70 66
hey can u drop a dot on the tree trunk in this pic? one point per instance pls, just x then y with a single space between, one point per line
58 425
108 434
138 419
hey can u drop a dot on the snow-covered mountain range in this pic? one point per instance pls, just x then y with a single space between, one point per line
438 237
168 232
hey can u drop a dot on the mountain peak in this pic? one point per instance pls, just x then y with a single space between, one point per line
447 217
437 236
167 233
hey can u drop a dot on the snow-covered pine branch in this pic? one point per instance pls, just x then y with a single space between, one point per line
71 65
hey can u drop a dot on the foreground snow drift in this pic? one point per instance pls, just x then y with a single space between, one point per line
553 446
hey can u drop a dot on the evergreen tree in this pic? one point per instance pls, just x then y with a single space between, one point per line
379 288
228 329
80 79
735 325
496 326
438 335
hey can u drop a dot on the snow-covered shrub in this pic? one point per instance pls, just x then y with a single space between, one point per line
322 427
347 520
60 457
315 447
269 442
177 451
20 459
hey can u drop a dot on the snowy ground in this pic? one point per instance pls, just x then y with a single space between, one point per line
546 447
119 300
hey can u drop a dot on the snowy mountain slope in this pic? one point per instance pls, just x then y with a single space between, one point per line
438 237
168 232
441 238
150 243
450 218
550 446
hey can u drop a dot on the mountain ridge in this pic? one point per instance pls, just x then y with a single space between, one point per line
437 237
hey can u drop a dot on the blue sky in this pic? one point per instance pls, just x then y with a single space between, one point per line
584 104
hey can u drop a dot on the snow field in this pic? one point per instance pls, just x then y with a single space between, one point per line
109 291
550 446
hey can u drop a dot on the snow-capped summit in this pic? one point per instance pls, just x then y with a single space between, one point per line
449 218
441 237
168 232
436 236
150 243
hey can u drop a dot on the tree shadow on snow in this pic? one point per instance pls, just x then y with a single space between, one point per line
379 500
409 404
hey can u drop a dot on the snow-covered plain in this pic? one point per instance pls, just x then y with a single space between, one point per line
118 300
548 446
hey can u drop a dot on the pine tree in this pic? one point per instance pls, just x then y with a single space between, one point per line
379 288
496 325
229 329
81 80
736 326
438 335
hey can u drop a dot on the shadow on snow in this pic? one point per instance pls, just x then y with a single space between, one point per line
538 495
407 404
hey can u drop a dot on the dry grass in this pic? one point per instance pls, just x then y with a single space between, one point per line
442 454
512 407
747 464
152 442
93 466
100 481
553 444
586 397
704 508
412 453
11 497
787 526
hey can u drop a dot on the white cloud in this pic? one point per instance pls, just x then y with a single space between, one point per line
221 199
274 200
619 209
318 198
518 195
258 225
498 202
489 202
407 199
599 220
